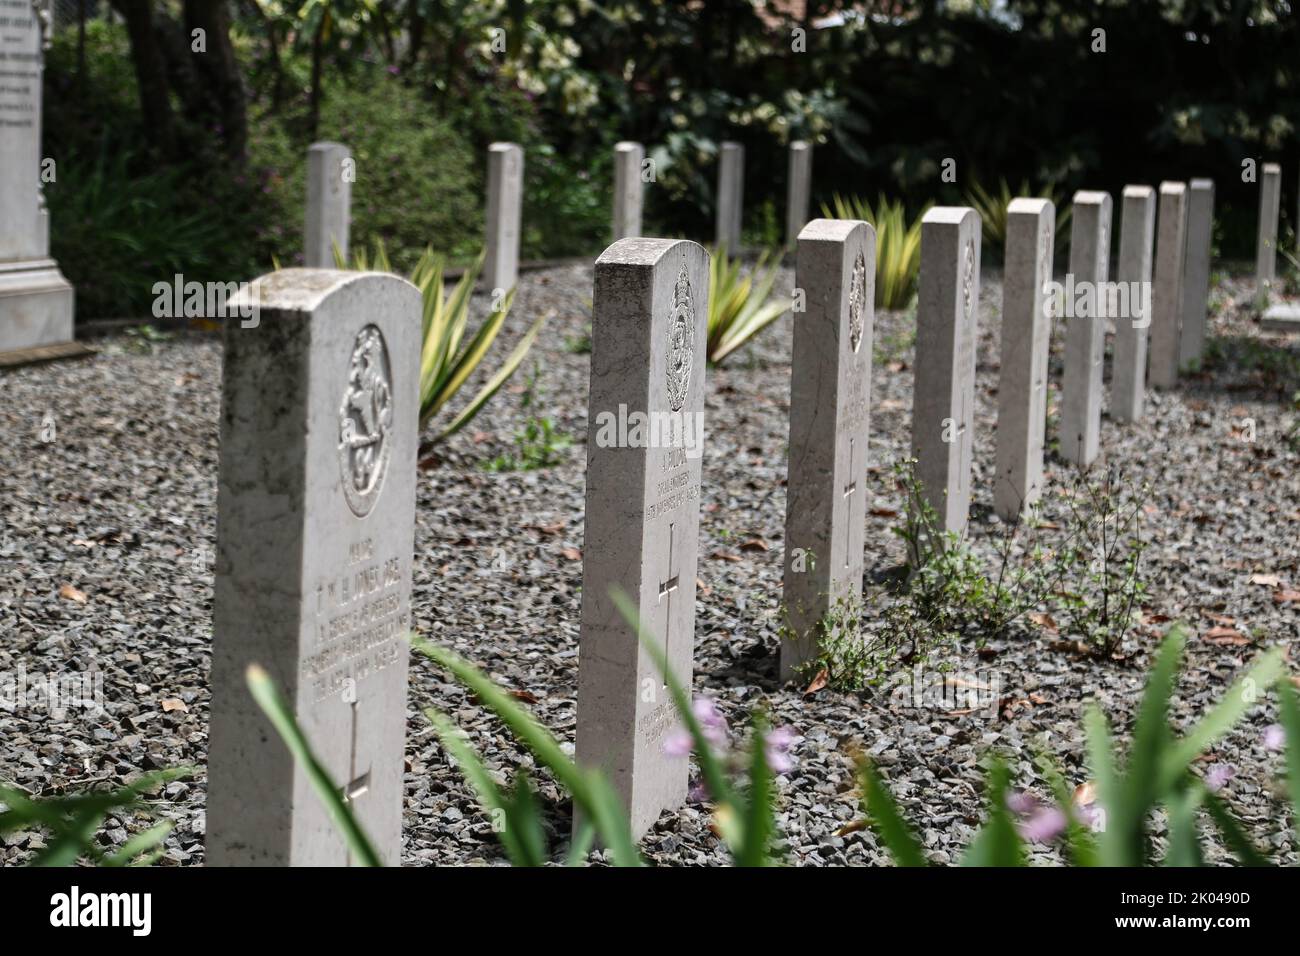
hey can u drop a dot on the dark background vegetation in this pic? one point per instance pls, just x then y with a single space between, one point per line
171 160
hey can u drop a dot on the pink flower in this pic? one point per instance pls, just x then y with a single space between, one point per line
678 743
1274 737
1043 825
1218 775
776 749
1021 803
713 726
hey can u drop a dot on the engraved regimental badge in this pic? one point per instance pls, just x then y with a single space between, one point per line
681 341
857 290
366 422
968 282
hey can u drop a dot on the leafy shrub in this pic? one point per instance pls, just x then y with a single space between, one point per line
539 444
740 306
1158 774
898 245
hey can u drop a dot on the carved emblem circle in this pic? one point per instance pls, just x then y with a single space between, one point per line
968 281
857 291
366 422
681 341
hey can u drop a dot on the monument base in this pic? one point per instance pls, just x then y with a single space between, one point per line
1283 317
35 306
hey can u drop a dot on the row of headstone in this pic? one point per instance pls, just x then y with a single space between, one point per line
316 488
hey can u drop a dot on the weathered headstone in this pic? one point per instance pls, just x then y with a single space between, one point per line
731 192
798 190
628 158
1196 270
36 301
1137 231
830 407
504 216
943 397
645 437
1270 203
1085 328
315 536
1026 334
1281 317
1167 289
329 204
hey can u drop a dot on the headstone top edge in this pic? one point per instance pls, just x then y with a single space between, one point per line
730 144
1030 205
626 146
504 147
1273 168
800 144
949 215
1172 187
1138 192
643 251
1198 185
832 230
304 290
326 145
1091 197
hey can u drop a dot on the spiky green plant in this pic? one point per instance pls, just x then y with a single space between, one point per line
447 358
992 209
740 306
898 245
1158 774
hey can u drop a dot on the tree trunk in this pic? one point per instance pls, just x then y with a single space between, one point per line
150 73
222 87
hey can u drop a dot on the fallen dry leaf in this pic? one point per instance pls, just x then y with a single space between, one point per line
1285 597
526 696
1085 794
174 703
854 826
883 512
573 554
69 593
1268 580
754 544
1219 618
553 528
818 682
724 556
1225 636
1045 621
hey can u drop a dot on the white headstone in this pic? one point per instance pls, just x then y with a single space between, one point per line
505 200
943 397
315 537
36 301
830 408
329 204
1167 290
644 440
1270 202
628 159
1196 270
1085 328
731 191
1136 239
798 190
1026 335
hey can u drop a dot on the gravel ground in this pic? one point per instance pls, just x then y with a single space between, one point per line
107 548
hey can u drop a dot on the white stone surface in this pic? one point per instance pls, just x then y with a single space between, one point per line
315 537
628 189
505 199
1196 270
731 195
329 204
798 190
648 337
1136 252
1026 335
1167 291
1270 202
1085 330
943 398
830 410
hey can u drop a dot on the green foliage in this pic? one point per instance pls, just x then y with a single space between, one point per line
740 306
1157 774
71 822
539 444
520 831
992 209
448 358
898 245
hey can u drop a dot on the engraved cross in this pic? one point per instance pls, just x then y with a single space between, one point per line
667 588
849 491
